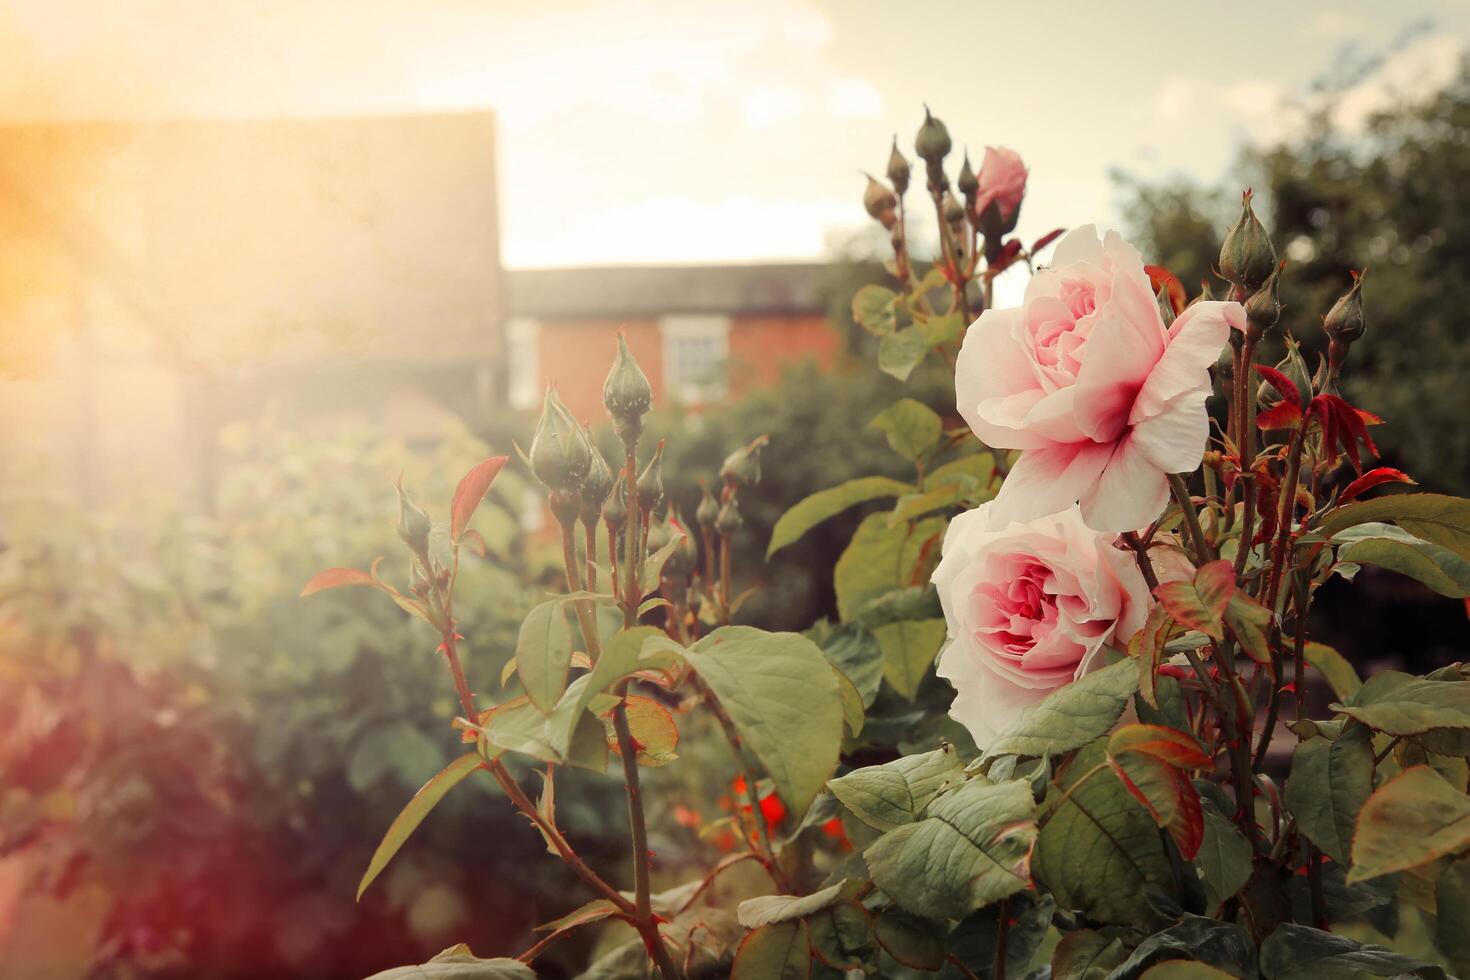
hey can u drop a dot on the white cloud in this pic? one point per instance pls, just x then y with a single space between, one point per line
767 105
854 98
1414 72
682 228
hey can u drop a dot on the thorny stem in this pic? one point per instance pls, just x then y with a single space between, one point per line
591 544
1286 509
725 578
765 854
1002 929
627 748
1191 518
965 971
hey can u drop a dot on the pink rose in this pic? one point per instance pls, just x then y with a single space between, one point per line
1002 180
1030 608
1085 379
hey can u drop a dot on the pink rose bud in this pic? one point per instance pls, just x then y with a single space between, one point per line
1002 181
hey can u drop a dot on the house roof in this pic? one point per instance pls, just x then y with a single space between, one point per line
614 292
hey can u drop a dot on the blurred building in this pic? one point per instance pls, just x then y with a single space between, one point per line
159 278
700 333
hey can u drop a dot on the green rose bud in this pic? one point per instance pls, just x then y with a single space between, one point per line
413 524
744 464
728 521
709 508
932 143
898 170
560 453
651 481
1263 308
627 394
1345 322
880 203
1247 258
1294 366
615 509
967 182
596 485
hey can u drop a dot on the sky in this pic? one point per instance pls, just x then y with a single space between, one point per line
677 131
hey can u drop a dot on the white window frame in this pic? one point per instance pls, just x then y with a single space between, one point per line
677 328
523 362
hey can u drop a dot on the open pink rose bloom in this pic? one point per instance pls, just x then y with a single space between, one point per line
1084 377
1030 607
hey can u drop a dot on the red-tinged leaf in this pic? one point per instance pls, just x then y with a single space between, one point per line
655 734
1009 252
334 578
470 492
1047 239
1168 795
1374 478
1280 382
1161 279
414 813
475 541
1250 622
1169 745
1282 415
1200 604
1148 646
594 911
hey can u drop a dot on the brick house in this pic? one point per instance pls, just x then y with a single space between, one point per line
701 333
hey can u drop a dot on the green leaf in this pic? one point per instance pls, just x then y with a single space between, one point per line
1071 716
943 328
621 656
972 848
829 503
913 941
901 351
1029 918
1401 704
909 650
1086 955
1452 925
1446 572
1329 783
1410 820
1150 760
1294 952
942 496
1250 623
784 699
841 935
1185 969
979 467
1099 849
458 963
756 912
414 813
853 650
873 309
888 796
776 952
917 602
1220 945
544 654
912 428
517 726
1225 855
594 911
1200 604
878 560
1433 517
653 566
1334 668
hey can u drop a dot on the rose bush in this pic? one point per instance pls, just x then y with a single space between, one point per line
1125 594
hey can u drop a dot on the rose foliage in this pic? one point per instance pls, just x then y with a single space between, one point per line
1115 587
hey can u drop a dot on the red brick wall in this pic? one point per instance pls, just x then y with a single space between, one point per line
761 346
575 354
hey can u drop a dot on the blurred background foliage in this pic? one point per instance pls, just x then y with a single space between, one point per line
200 763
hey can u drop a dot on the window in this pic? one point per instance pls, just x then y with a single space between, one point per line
522 363
695 351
